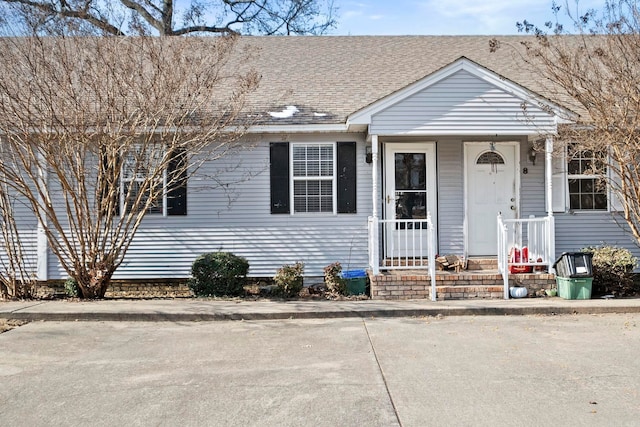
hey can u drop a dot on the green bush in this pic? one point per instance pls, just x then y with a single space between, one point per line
71 288
613 271
334 282
218 274
289 279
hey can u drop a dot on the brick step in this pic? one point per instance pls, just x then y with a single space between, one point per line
450 285
459 292
482 264
462 278
423 291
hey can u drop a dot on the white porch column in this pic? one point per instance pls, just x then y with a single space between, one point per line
42 248
375 161
43 254
375 232
548 165
548 174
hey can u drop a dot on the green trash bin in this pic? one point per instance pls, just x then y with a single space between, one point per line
576 288
356 281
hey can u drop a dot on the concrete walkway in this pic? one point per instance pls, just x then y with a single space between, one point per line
177 310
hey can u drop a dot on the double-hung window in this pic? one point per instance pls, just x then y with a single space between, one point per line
313 177
313 167
141 180
147 179
587 188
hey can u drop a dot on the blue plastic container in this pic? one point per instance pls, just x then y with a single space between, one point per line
354 274
356 281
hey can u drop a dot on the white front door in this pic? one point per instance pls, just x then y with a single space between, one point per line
490 188
410 194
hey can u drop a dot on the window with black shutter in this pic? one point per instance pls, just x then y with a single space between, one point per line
177 183
346 174
313 177
279 171
169 189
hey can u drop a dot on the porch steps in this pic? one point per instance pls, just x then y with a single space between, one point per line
480 280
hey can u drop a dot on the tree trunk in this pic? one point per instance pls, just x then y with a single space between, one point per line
95 282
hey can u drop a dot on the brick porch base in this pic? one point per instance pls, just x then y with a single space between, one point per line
483 281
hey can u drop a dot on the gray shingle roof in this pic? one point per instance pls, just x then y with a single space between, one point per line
339 75
328 78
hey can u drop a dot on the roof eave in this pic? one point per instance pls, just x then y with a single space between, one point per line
300 128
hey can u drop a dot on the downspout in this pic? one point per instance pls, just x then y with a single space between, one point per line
551 237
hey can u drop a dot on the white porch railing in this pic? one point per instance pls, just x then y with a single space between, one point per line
536 234
409 243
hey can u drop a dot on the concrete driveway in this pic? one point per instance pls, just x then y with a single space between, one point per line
454 371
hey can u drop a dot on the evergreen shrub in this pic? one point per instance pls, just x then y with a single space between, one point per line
219 274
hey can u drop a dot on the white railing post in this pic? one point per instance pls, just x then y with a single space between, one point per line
551 241
503 261
374 245
501 244
431 247
370 241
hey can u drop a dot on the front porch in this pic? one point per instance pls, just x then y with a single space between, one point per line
455 170
481 280
408 270
485 199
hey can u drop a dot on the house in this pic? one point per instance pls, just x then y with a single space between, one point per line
380 152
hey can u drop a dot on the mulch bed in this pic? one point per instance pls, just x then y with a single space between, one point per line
8 324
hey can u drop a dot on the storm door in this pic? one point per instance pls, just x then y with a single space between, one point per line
410 179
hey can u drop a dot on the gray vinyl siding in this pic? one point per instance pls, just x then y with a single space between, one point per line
532 183
229 209
463 104
450 196
27 225
28 237
54 267
581 229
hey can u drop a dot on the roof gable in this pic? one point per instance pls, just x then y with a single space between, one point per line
463 64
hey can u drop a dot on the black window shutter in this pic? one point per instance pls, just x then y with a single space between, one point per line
279 170
177 178
346 177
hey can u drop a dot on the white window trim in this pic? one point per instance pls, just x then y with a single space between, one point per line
123 206
613 203
333 178
608 191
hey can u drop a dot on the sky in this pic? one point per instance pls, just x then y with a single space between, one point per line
444 17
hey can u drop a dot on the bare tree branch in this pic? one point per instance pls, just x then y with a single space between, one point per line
596 66
200 16
116 123
160 25
63 9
